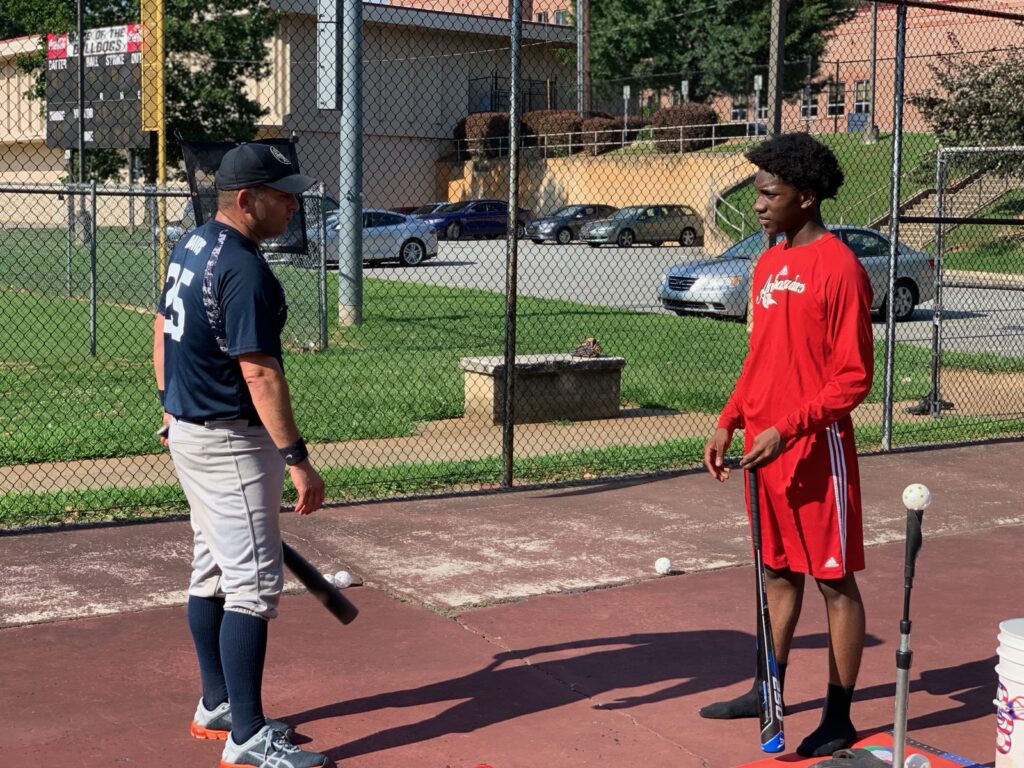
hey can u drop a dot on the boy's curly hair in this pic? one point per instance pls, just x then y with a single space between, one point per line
800 160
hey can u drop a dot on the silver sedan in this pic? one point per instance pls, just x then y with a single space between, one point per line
387 236
721 286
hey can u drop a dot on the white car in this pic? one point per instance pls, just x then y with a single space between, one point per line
387 236
721 286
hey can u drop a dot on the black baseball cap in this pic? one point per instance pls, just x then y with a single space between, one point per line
259 165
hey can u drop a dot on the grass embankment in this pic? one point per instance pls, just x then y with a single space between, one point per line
864 196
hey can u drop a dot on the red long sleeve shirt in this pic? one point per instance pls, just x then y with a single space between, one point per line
811 358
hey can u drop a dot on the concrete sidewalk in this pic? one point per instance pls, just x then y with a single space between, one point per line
485 636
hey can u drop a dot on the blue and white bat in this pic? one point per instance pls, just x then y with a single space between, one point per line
773 737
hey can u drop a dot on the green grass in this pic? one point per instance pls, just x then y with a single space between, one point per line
864 196
398 369
19 510
989 248
354 483
382 379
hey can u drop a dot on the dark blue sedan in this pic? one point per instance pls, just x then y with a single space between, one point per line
474 218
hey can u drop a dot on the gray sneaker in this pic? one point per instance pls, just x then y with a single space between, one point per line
270 749
216 723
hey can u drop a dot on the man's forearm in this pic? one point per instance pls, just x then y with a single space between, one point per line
158 352
270 395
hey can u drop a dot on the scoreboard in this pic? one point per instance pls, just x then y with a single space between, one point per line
113 98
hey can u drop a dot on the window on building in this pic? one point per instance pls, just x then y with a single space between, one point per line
762 111
740 105
862 97
836 99
808 104
562 18
542 17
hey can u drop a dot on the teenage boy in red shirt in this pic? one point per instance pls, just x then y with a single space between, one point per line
809 365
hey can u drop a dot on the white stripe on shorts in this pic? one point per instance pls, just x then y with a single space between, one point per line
837 458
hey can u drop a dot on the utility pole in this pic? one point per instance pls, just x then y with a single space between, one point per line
350 178
82 227
775 55
871 131
583 57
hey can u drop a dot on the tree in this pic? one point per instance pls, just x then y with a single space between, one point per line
211 48
976 100
716 45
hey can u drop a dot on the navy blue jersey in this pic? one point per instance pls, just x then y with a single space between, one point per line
221 300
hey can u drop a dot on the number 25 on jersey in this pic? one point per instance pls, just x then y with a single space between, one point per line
174 325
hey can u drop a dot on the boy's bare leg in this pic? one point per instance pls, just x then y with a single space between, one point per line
846 627
785 597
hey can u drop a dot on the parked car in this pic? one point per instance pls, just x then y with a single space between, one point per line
387 236
423 210
654 224
175 229
721 286
474 218
564 225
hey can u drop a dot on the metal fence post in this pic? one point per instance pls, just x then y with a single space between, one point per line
511 248
935 404
92 268
70 240
894 227
322 278
154 241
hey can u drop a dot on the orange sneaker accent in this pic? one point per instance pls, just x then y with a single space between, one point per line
226 764
199 732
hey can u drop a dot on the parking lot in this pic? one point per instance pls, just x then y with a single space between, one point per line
975 320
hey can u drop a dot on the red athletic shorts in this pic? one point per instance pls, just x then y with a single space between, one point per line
810 505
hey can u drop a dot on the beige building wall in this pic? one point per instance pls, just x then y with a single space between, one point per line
24 156
416 74
497 8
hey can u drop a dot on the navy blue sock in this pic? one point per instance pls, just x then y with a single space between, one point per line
243 648
204 617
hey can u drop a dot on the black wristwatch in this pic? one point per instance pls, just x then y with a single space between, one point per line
295 453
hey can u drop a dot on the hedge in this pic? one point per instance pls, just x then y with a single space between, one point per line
483 134
683 127
604 134
561 125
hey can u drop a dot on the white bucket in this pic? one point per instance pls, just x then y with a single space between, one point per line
1009 699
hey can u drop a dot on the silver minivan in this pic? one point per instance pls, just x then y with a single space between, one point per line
654 224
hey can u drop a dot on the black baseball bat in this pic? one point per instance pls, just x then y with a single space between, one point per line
323 590
773 738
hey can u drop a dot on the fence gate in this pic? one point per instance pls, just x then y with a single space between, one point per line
976 342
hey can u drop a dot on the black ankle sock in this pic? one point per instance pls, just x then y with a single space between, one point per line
746 705
835 731
204 617
243 646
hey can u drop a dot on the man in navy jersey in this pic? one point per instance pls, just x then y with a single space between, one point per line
220 374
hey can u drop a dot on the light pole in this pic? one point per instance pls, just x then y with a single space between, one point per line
758 85
582 56
871 131
776 44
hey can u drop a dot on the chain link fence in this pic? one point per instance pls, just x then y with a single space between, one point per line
634 244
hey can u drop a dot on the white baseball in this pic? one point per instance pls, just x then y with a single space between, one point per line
662 565
916 496
342 579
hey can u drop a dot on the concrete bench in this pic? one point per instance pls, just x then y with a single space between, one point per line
547 388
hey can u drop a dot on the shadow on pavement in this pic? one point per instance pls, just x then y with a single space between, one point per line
517 683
